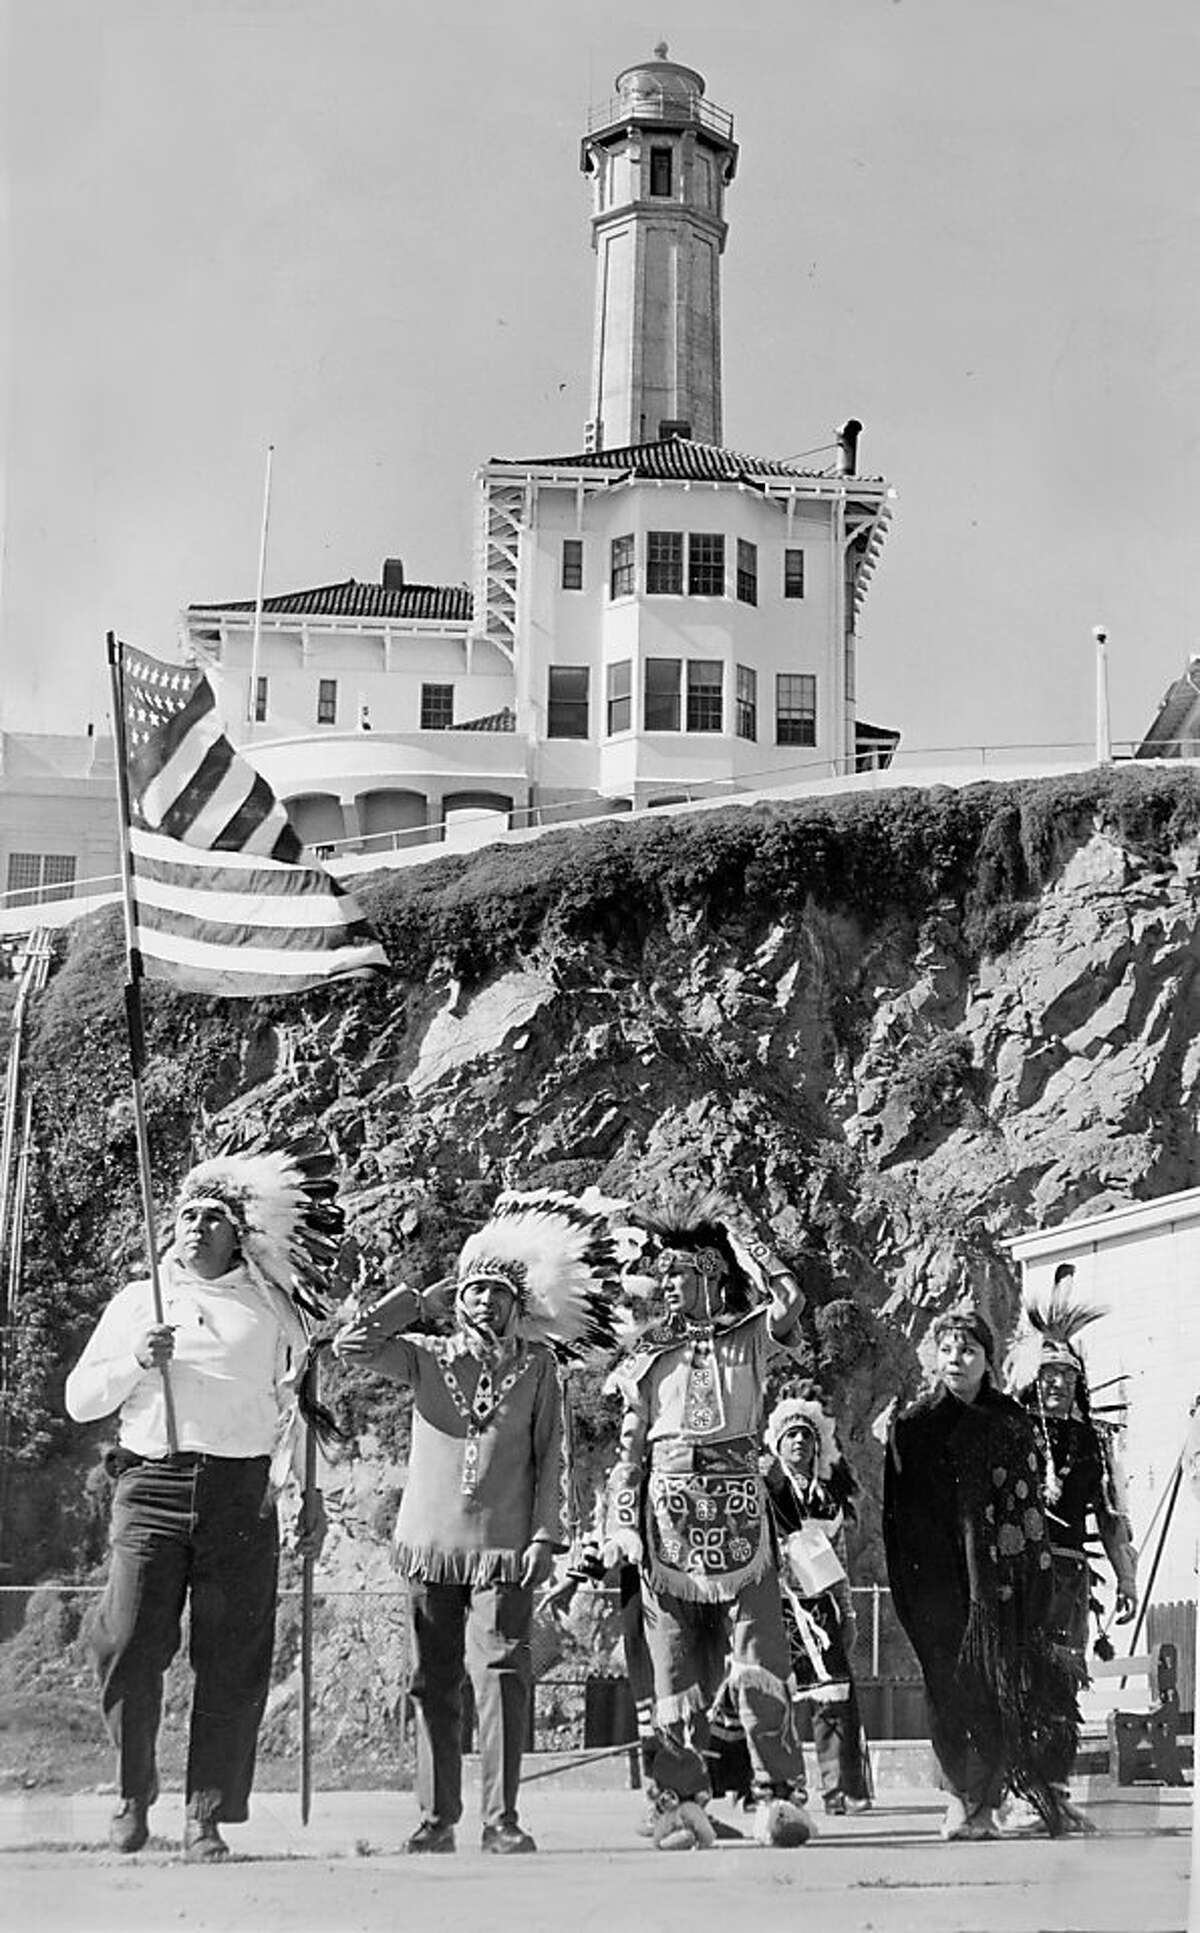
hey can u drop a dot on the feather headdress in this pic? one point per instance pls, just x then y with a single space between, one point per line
282 1204
1050 1324
557 1254
696 1222
800 1412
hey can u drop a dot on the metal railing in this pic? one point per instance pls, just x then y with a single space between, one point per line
926 764
15 1597
660 107
989 760
22 896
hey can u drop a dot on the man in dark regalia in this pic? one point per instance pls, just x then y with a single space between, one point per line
1080 1480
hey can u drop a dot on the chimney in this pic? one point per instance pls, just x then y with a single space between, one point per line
393 573
847 442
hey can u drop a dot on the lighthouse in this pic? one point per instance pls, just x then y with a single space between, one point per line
660 156
653 617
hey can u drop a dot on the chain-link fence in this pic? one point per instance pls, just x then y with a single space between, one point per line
51 1732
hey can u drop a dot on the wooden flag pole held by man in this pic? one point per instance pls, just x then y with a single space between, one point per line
306 1630
136 1030
219 899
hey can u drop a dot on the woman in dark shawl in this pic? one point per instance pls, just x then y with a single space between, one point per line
969 1568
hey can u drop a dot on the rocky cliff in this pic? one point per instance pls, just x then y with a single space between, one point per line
901 1027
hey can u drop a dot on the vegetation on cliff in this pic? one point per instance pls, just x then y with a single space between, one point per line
661 1047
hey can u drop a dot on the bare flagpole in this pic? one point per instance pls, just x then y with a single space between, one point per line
252 698
133 1020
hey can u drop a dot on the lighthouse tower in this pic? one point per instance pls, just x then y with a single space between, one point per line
660 156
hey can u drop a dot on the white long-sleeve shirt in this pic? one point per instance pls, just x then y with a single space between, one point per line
227 1372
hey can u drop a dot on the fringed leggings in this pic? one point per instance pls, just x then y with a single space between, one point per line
700 1651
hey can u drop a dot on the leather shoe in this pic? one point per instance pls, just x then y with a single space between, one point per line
202 1841
507 1838
432 1835
127 1829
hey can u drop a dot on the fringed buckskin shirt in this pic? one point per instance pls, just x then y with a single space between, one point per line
477 1493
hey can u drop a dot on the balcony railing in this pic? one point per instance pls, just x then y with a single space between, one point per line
915 765
648 107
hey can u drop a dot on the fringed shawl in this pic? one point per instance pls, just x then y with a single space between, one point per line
1016 1690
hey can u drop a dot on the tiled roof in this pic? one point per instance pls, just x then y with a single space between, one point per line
678 459
492 721
449 602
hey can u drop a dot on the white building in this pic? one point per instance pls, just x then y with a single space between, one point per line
1141 1263
653 617
58 819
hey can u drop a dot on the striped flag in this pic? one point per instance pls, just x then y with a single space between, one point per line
223 898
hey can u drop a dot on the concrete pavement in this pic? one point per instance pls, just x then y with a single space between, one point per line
883 1872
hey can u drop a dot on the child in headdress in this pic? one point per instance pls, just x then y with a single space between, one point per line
811 1490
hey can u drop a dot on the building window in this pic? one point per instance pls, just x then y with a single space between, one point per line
327 701
705 694
572 564
621 573
34 877
793 573
747 572
664 561
260 700
706 564
795 708
661 711
673 427
620 697
746 724
437 708
567 708
660 171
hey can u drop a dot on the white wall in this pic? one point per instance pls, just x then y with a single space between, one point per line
589 628
1148 1277
360 664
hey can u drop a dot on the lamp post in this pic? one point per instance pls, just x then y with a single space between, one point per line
1103 739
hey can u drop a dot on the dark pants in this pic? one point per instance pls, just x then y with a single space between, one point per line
484 1630
190 1525
838 1737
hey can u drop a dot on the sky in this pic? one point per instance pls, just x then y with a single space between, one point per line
357 230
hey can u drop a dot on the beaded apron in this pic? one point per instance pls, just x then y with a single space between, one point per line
706 1521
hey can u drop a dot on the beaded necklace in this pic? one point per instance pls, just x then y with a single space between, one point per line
478 1411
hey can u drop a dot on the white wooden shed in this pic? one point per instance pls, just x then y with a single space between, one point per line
1142 1263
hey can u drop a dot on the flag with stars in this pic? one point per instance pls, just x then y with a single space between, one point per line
224 900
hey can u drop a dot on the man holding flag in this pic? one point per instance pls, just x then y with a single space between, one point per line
202 1365
195 1516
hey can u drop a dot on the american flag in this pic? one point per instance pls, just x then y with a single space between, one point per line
224 901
